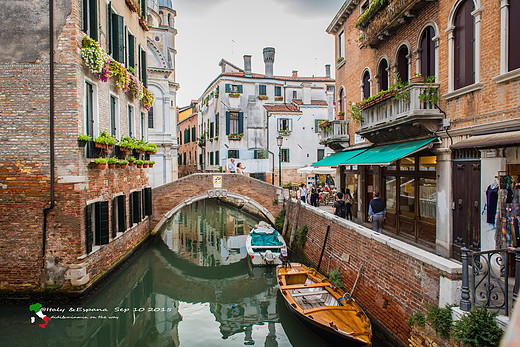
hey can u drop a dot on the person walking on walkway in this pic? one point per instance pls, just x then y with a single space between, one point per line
349 200
339 208
377 213
303 193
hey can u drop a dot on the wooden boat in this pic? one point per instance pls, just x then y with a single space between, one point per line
264 245
324 308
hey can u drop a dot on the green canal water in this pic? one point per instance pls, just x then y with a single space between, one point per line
193 286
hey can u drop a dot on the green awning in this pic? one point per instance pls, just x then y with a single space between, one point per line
339 158
384 155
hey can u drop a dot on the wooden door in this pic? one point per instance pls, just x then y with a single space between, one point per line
466 212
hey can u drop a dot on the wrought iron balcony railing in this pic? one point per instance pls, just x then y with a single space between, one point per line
335 134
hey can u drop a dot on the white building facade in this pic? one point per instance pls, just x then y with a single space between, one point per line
162 117
242 114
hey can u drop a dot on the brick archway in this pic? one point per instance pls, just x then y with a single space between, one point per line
171 197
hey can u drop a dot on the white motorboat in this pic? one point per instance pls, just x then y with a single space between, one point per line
264 245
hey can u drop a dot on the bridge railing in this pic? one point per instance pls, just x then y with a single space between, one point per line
490 279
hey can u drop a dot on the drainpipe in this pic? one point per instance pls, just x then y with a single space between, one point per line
46 210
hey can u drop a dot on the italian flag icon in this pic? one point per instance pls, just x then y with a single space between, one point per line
36 308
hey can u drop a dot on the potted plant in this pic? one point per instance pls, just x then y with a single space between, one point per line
341 115
262 97
139 163
131 161
145 164
234 95
83 139
418 78
126 144
150 148
101 163
277 98
123 163
105 141
151 163
112 162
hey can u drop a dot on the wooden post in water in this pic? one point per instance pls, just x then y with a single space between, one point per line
323 249
294 222
287 203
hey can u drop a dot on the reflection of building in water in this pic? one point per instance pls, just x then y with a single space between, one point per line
241 317
208 233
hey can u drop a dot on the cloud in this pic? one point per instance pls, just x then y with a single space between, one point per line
314 8
197 6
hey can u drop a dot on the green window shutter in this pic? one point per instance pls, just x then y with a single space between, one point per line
114 217
143 68
228 88
188 135
121 211
131 50
118 38
97 223
212 130
240 88
93 19
148 196
288 160
227 122
85 15
136 207
210 158
193 134
217 158
143 204
241 122
88 228
109 27
143 9
103 222
216 124
255 154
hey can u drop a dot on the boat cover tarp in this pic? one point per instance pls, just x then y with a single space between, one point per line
265 238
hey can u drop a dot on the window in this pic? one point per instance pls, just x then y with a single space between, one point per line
402 63
295 94
217 158
284 125
285 155
131 51
366 85
90 23
142 66
96 224
233 153
187 135
118 215
89 109
383 75
464 54
341 45
407 196
135 207
341 100
144 7
217 127
321 154
147 198
150 117
179 159
427 198
262 89
234 88
184 158
193 134
260 154
211 161
117 38
130 120
180 137
391 202
113 111
514 35
428 52
234 123
277 91
211 129
317 124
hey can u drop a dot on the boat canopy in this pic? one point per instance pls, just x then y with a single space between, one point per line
265 238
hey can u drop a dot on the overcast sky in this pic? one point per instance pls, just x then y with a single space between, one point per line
209 30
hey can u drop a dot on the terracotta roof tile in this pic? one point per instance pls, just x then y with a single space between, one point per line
283 78
282 108
319 102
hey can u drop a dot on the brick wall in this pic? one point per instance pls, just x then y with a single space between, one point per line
396 280
170 195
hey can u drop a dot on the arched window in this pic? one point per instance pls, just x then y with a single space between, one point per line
464 54
383 75
514 35
428 52
366 85
170 22
341 100
402 63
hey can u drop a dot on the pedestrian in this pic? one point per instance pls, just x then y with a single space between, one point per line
303 193
377 213
314 196
241 169
349 200
231 167
339 208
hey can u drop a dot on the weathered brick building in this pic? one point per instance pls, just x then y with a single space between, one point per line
187 135
64 221
438 143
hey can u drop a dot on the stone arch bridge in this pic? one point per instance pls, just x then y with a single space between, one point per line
256 194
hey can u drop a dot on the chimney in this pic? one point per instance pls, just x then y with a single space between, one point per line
327 71
247 65
294 73
269 61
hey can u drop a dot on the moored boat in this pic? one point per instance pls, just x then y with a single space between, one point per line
323 307
264 245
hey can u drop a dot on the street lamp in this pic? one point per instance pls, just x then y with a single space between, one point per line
279 141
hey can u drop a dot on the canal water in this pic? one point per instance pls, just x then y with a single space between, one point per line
193 286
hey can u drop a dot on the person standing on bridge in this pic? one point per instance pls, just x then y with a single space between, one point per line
241 169
377 213
231 167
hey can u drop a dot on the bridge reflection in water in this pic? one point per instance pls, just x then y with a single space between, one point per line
191 287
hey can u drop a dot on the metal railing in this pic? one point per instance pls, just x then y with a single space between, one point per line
337 131
490 279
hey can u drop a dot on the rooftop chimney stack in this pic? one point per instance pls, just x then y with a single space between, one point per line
327 71
247 65
294 73
269 61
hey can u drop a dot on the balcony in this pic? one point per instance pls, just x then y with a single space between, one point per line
334 134
379 22
394 119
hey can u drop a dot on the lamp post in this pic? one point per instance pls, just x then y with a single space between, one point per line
279 141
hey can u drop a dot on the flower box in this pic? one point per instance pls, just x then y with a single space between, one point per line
324 124
278 98
143 24
234 95
133 5
262 97
340 116
375 101
417 79
235 137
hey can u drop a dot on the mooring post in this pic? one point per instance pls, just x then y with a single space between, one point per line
323 249
295 222
287 204
465 303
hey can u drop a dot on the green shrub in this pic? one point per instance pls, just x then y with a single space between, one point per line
301 236
478 328
335 277
440 319
416 319
278 222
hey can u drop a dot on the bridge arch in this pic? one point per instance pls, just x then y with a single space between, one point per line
170 198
